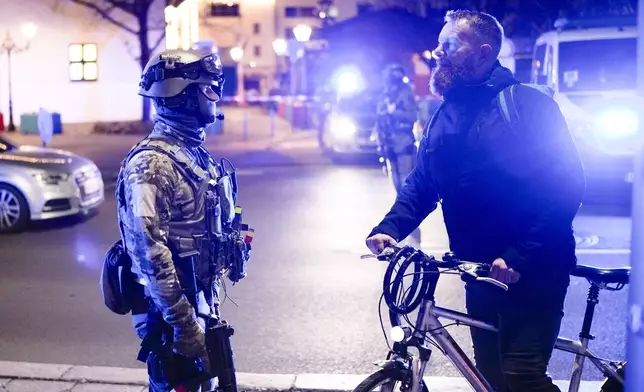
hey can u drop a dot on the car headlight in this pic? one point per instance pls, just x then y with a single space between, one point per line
51 178
616 123
342 127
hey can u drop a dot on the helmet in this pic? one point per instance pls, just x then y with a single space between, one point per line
184 81
394 74
169 73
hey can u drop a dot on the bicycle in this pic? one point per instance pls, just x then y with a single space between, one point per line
407 370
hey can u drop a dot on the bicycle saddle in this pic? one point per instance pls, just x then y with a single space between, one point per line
602 275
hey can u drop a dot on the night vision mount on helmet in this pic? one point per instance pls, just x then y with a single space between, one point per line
172 71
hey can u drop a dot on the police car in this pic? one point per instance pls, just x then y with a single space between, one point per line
592 66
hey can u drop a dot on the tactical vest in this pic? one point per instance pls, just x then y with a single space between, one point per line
206 242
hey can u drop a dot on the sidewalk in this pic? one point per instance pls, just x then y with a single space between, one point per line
247 141
35 377
243 129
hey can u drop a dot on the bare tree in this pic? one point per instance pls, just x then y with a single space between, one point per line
132 16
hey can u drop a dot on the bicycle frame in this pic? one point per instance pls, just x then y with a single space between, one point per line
428 321
581 351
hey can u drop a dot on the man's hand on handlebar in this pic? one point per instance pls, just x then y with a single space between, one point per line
378 242
501 272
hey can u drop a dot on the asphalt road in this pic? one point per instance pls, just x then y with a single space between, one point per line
309 304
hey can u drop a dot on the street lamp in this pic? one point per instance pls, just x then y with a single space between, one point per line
280 46
237 54
28 31
302 33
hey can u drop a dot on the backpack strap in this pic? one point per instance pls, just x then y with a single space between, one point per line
507 105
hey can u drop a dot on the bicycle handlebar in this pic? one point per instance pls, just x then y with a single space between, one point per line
470 271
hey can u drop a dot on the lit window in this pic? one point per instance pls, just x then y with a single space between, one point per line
83 62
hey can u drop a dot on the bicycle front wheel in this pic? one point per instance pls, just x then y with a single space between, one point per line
385 380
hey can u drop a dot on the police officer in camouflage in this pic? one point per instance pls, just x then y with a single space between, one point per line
397 114
176 209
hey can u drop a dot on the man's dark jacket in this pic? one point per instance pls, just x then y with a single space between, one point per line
506 191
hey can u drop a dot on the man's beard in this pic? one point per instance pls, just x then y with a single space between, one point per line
447 77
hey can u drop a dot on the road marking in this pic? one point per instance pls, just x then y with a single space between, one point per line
250 172
591 251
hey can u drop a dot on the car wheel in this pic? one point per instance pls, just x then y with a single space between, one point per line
14 211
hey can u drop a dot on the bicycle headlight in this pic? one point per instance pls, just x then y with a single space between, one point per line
397 334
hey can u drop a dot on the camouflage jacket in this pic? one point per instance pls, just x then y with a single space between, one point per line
406 108
162 212
395 129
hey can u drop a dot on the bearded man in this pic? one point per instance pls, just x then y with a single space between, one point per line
499 158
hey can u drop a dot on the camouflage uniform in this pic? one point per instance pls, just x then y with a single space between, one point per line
175 207
162 212
396 131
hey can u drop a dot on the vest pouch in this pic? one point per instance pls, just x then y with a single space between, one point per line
213 211
239 256
226 192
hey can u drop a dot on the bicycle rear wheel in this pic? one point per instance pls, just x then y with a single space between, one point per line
384 380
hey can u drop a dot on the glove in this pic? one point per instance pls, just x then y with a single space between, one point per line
190 340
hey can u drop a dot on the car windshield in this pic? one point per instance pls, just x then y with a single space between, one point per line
5 145
605 64
361 102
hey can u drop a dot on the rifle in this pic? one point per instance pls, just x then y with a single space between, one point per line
218 333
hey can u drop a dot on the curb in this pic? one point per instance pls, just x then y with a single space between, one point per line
113 378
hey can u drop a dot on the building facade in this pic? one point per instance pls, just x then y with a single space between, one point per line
252 26
77 64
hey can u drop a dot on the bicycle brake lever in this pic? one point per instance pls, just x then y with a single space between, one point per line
369 256
493 282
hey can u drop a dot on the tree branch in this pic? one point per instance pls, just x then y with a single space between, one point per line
123 6
105 14
154 47
130 51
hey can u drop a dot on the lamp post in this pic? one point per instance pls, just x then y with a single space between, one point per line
237 54
280 47
9 45
302 35
294 48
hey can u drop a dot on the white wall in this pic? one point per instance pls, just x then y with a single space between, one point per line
40 75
